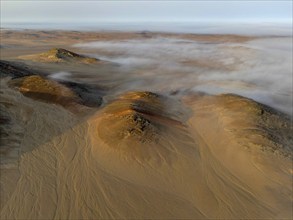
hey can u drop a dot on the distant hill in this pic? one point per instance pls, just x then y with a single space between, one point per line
43 89
61 55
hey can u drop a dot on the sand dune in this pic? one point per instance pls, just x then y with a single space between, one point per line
141 126
47 89
140 158
140 141
44 89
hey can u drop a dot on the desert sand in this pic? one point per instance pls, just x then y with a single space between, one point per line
124 138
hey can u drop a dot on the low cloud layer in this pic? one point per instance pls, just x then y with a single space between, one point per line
260 69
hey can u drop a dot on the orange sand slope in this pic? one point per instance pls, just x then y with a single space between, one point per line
147 155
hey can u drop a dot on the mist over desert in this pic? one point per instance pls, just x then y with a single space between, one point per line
145 120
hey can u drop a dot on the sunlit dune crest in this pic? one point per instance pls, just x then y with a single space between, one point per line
61 55
141 124
255 126
44 89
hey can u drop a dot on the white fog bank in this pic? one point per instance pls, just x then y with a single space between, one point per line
260 69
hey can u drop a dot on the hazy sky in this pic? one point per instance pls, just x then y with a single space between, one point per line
136 11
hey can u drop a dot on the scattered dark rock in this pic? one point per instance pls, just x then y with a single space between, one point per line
90 96
14 70
63 54
141 116
273 128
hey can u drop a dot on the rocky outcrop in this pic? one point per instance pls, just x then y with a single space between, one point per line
61 55
141 125
14 70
